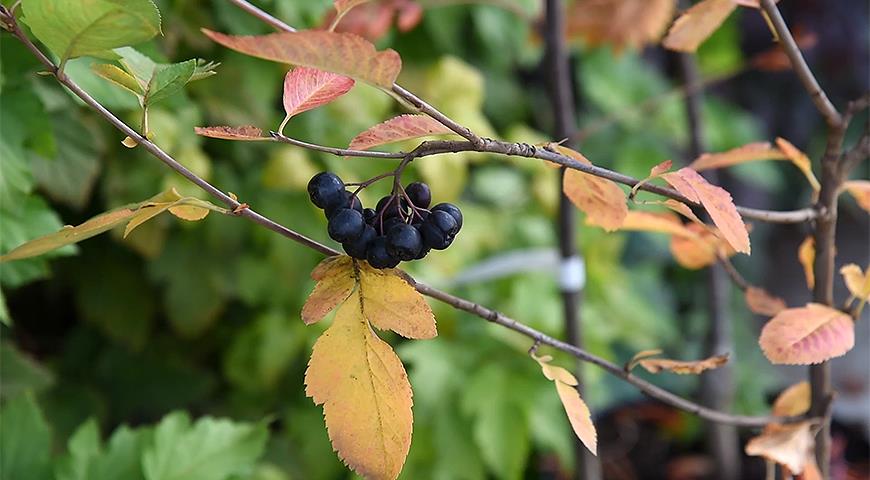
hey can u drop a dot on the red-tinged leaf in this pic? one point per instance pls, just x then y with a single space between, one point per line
807 257
245 133
410 15
860 190
751 152
697 24
787 445
751 3
343 53
403 127
576 409
307 88
763 303
793 401
717 201
800 160
857 282
371 20
807 335
774 59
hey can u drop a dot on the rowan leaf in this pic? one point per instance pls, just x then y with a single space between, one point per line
600 199
365 394
623 23
699 251
717 201
683 210
662 222
800 160
788 445
697 23
117 76
307 88
629 365
751 152
342 53
247 133
857 282
391 303
807 257
860 190
793 401
335 280
654 172
403 127
807 335
71 28
576 409
763 303
693 367
191 213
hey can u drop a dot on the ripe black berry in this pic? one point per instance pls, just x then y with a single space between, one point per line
345 225
378 256
404 242
388 224
326 190
439 229
355 204
369 214
419 194
453 210
358 247
390 206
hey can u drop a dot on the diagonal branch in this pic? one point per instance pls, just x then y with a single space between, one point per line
456 302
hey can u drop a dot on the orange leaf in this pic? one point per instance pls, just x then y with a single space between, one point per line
391 303
807 256
695 367
747 153
793 401
245 133
800 160
365 394
683 210
697 24
807 335
717 201
662 222
396 129
622 23
787 445
763 303
600 199
653 173
857 282
335 280
860 190
342 53
701 250
306 88
578 413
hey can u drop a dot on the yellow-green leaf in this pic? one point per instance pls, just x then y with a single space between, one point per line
117 76
365 394
335 280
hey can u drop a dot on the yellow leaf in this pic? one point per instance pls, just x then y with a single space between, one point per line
763 303
697 24
629 366
793 401
747 153
694 367
600 199
391 303
860 190
801 161
807 257
365 394
787 445
807 335
336 279
577 411
701 250
555 373
191 213
857 282
662 222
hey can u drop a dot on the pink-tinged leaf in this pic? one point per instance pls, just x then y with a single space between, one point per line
410 15
763 303
342 53
717 201
807 335
697 24
307 88
860 190
396 129
245 133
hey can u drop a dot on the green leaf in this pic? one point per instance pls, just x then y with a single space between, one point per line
210 449
83 446
19 373
117 76
72 28
501 433
122 457
151 81
168 80
263 350
26 441
27 218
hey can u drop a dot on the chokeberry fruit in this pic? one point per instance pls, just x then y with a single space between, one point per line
453 210
345 225
326 190
404 242
438 230
349 202
369 214
388 224
378 256
419 194
390 206
358 247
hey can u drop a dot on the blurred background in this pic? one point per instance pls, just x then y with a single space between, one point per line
204 317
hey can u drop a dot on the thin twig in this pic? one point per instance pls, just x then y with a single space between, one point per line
456 302
341 152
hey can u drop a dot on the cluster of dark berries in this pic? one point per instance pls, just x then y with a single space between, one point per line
402 227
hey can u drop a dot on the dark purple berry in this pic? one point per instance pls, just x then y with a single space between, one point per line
358 247
404 242
390 206
438 230
356 204
423 251
388 224
369 214
378 256
419 194
345 225
453 210
326 190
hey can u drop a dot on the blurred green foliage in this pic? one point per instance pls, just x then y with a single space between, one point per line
203 317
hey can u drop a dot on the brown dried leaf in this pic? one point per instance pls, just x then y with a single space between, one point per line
763 303
787 445
247 133
622 23
695 367
807 335
697 24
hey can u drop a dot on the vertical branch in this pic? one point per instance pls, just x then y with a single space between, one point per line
571 271
717 387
